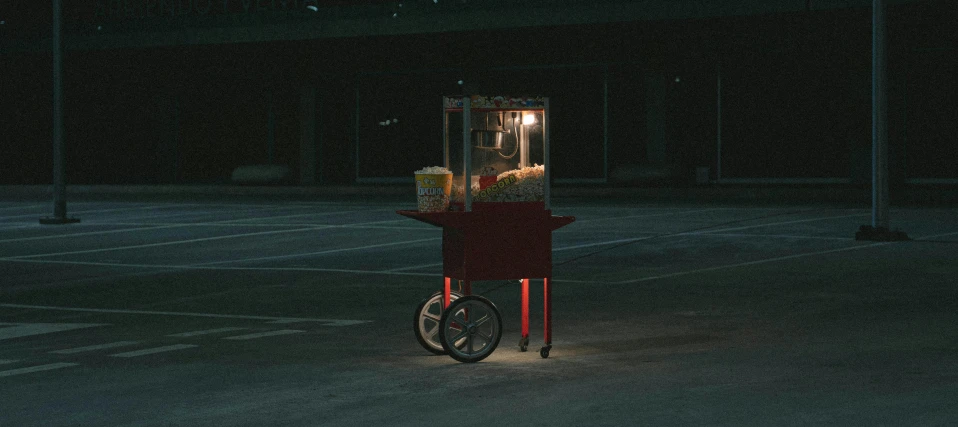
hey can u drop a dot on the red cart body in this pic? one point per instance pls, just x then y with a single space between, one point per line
497 241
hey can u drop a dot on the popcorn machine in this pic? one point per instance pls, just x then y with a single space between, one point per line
496 220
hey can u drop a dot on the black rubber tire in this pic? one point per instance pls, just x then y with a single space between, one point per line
446 324
417 316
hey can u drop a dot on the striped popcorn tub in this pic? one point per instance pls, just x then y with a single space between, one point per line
433 188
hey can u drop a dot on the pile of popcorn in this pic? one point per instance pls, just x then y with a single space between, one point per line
436 170
438 203
528 188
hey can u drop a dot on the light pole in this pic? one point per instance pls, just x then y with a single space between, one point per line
879 230
59 156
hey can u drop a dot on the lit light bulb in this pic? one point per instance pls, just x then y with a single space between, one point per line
528 119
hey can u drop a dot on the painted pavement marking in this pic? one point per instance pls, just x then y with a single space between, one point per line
95 347
139 227
265 334
154 350
38 368
175 242
189 267
21 207
188 241
138 208
19 330
776 259
206 332
329 251
7 361
651 215
329 322
414 267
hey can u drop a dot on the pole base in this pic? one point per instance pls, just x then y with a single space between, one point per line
880 234
56 221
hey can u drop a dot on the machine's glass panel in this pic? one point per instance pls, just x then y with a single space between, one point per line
506 149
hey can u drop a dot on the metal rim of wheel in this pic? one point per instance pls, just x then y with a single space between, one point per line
426 321
473 323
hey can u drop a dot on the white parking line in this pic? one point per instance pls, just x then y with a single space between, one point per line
612 218
265 334
38 368
607 242
331 322
414 267
179 242
154 350
19 330
778 236
768 260
330 251
14 227
88 233
21 207
189 267
7 361
699 233
153 245
206 332
162 225
148 227
99 211
798 221
95 347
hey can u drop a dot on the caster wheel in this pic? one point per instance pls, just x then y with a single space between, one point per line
426 321
544 351
523 344
470 329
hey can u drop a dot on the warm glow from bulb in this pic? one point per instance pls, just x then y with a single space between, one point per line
529 119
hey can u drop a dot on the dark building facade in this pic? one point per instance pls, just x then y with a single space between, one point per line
644 92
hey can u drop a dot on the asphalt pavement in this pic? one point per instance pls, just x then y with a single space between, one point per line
262 311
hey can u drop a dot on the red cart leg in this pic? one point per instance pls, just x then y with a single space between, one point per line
547 308
446 292
524 341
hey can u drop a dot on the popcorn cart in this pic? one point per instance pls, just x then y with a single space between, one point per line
491 199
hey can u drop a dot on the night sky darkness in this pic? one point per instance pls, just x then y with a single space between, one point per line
796 99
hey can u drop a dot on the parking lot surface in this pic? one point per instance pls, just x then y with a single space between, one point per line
299 313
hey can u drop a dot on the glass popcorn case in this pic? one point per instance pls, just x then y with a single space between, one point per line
501 144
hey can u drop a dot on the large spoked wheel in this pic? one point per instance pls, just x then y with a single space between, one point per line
470 329
426 321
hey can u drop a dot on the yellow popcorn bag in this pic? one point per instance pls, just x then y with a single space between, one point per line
433 188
